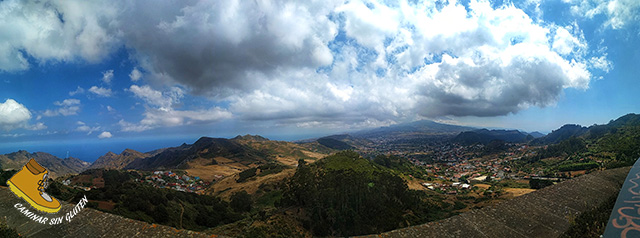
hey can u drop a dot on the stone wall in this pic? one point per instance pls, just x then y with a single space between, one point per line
544 213
87 223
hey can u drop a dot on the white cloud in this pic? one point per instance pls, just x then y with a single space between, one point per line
567 43
128 126
154 118
619 13
161 113
100 91
78 90
84 128
38 126
67 107
13 115
67 102
156 98
135 74
282 60
105 134
56 31
14 135
110 109
601 63
425 61
107 76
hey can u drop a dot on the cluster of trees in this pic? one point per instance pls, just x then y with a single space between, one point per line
399 166
346 195
265 169
246 174
7 232
334 144
6 175
566 147
143 202
578 166
539 183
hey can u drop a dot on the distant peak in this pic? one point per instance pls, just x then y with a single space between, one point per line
250 138
128 151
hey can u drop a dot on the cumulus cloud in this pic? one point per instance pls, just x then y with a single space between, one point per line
135 75
312 63
83 127
619 13
79 90
56 31
107 76
38 126
100 91
105 134
160 111
232 41
156 98
13 115
429 61
67 107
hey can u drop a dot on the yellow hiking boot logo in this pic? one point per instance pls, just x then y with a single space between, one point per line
29 184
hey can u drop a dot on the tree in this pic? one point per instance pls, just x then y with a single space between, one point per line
539 183
241 202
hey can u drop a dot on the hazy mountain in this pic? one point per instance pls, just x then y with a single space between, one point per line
248 137
115 161
485 136
55 165
416 128
562 133
536 134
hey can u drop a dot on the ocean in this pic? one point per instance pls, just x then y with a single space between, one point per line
90 150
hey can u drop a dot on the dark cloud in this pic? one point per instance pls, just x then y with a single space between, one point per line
214 46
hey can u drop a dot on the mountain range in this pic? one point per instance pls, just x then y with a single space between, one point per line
55 165
228 156
411 129
118 161
484 136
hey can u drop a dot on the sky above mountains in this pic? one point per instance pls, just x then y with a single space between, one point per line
85 70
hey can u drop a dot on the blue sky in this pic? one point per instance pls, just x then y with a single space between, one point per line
105 72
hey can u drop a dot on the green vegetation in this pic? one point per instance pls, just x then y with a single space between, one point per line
539 183
344 194
334 144
5 231
271 168
593 222
509 183
400 166
616 144
578 166
6 175
567 147
241 202
143 202
244 175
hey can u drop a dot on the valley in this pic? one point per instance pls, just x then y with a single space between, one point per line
251 185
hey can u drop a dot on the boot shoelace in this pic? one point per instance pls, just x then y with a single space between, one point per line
42 184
